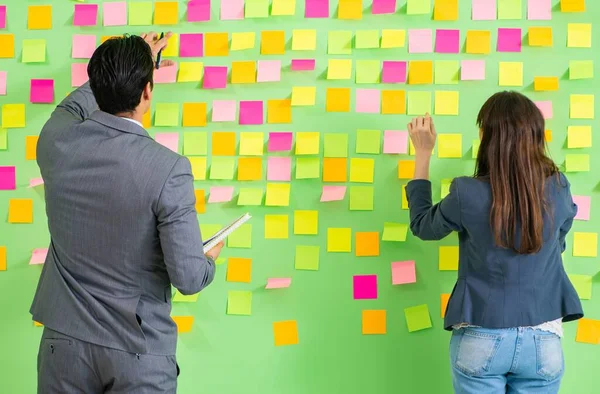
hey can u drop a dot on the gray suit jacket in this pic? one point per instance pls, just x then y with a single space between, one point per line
123 226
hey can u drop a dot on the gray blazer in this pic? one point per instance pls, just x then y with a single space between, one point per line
123 227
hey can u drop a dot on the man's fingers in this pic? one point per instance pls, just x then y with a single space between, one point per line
162 43
167 63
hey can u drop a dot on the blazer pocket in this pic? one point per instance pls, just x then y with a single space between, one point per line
476 351
549 354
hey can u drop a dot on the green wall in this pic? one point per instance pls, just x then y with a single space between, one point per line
235 354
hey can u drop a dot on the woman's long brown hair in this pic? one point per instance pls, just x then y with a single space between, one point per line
512 158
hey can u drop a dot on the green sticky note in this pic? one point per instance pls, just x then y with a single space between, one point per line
577 163
256 9
446 72
34 51
220 260
476 144
445 188
178 297
581 69
361 198
509 9
418 7
239 302
241 238
308 168
140 13
417 318
394 232
583 285
222 167
419 103
367 71
339 42
3 139
367 39
307 258
336 145
208 230
250 196
195 143
368 141
167 114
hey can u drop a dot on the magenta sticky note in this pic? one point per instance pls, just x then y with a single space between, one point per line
447 41
383 7
333 193
403 272
251 112
79 74
278 283
84 46
85 15
198 11
280 141
509 40
472 70
393 71
33 182
38 256
279 169
483 10
232 9
545 108
539 10
169 140
42 91
166 74
215 77
268 71
191 45
419 41
368 101
303 64
223 111
316 9
220 194
8 178
395 142
583 207
3 75
365 287
2 16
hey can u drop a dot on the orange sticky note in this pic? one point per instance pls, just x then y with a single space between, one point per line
31 147
223 143
393 102
335 169
200 201
444 298
350 9
588 331
20 210
285 332
243 72
420 72
7 46
249 169
216 44
194 114
338 100
279 111
572 5
548 135
39 17
272 42
545 84
478 41
2 258
373 322
445 10
367 244
184 323
166 13
103 39
37 324
540 36
147 119
406 169
239 269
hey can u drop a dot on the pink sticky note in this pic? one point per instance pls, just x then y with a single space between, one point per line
333 193
419 41
251 112
447 41
114 13
393 72
383 7
365 287
3 83
583 207
8 178
539 10
232 9
279 168
395 142
79 74
303 64
33 182
170 140
198 11
403 272
280 142
85 15
166 74
84 46
220 194
215 77
191 45
546 108
472 70
368 101
268 71
2 16
223 111
38 256
509 40
42 91
316 9
484 10
278 283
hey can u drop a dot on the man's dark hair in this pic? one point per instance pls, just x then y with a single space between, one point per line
119 70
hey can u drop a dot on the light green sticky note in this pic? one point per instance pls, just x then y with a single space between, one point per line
239 302
446 72
581 69
250 196
140 13
307 258
178 297
368 141
220 260
208 230
339 42
361 198
368 71
509 9
394 232
419 103
417 7
241 238
417 318
34 51
195 143
476 144
577 163
367 39
336 145
222 167
583 285
256 9
3 139
445 187
167 114
308 168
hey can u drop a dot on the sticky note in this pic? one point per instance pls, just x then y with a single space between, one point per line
339 42
373 322
367 244
583 207
41 91
251 112
7 46
579 69
222 168
510 74
279 168
3 75
251 143
306 258
572 5
403 272
450 146
191 45
208 230
447 41
582 106
546 108
583 285
393 102
339 239
224 111
418 7
444 298
86 15
303 64
339 69
184 323
395 142
241 238
239 302
114 13
215 77
140 13
195 143
3 26
419 103
20 211
167 114
307 143
579 137
272 42
509 40
420 72
417 318
540 36
178 297
216 44
333 193
194 114
338 99
316 9
445 10
34 51
367 39
362 170
232 9
306 222
446 103
539 10
361 198
190 72
243 71
509 9
364 287
39 17
8 178
220 194
280 141
577 163
278 283
579 35
198 168
13 116
242 41
472 70
2 258
478 42
279 111
3 139
278 195
393 72
198 11
350 9
200 201
84 46
588 331
367 71
446 72
368 101
276 227
393 38
169 140
394 232
308 168
38 256
448 258
249 169
335 145
303 95
304 39
283 7
256 9
585 244
368 141
419 41
286 332
335 169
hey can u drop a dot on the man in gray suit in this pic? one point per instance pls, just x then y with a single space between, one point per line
123 226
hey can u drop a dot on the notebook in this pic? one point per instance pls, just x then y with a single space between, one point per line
224 232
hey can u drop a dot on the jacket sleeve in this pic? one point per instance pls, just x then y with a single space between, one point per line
571 209
189 269
432 222
75 108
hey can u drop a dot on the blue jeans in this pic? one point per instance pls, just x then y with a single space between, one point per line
512 360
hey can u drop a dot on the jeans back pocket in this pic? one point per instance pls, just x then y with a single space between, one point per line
549 354
476 351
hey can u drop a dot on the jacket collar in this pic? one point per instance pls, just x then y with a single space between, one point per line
117 123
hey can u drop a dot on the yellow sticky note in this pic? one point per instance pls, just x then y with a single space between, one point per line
540 36
572 5
166 13
285 332
339 239
303 95
545 84
420 72
406 169
172 48
449 146
250 169
283 7
20 210
239 270
216 44
579 137
448 259
278 195
478 42
39 17
2 258
198 168
184 323
445 10
307 143
582 106
147 119
223 143
350 9
393 38
243 72
588 331
337 100
272 42
585 244
200 201
7 46
13 116
306 222
279 111
194 114
304 40
251 143
510 74
339 69
579 35
242 41
362 170
276 227
190 71
393 102
446 103
31 147
404 198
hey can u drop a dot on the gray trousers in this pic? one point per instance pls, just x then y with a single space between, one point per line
67 365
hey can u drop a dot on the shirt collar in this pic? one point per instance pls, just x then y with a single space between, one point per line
133 121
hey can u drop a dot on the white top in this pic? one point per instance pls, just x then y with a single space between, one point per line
133 121
554 326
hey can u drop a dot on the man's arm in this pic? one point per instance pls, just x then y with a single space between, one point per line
189 269
75 108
